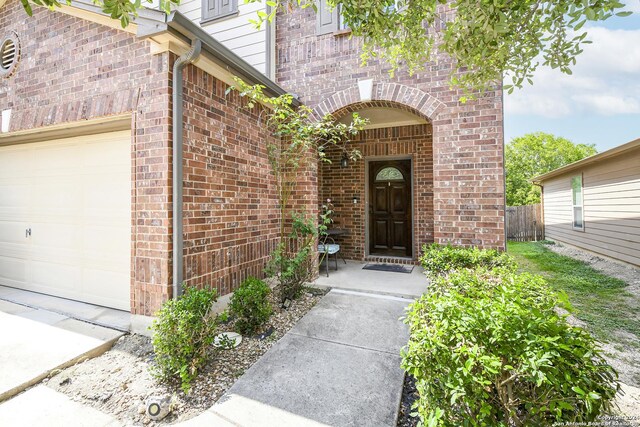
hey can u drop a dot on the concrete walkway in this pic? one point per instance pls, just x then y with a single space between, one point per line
35 342
352 277
339 366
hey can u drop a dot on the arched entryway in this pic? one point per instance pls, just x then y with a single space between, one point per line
383 203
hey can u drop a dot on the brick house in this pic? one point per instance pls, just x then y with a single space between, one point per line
87 170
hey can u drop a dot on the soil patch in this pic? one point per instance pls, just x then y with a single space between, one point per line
409 395
119 382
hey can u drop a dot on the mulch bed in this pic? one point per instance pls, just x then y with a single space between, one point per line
409 395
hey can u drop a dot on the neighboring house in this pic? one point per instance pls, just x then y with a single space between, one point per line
594 204
87 170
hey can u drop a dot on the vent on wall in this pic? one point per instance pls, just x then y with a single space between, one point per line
9 54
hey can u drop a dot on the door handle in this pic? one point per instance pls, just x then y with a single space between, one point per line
27 233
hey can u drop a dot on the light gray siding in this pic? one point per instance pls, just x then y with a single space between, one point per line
235 32
611 208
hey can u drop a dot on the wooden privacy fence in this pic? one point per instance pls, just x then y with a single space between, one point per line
524 223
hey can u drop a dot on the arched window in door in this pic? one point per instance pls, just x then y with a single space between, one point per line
389 174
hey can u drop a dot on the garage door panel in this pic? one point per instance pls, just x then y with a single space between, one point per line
59 196
75 195
110 156
16 198
57 158
13 232
13 163
48 237
101 244
13 271
55 277
104 292
102 198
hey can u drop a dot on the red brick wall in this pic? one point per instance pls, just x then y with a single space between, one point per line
231 213
71 70
468 176
341 185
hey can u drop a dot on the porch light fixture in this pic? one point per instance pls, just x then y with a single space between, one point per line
344 161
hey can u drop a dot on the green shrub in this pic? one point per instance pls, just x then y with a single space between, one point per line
292 263
182 335
250 305
487 348
437 259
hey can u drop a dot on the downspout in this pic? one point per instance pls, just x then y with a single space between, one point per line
178 243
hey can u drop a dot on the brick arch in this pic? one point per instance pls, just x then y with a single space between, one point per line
393 95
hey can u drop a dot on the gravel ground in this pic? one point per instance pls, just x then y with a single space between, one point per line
118 382
624 358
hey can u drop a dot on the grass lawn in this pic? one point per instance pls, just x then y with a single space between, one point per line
609 311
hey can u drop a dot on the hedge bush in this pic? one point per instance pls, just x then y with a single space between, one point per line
487 348
183 332
438 259
250 305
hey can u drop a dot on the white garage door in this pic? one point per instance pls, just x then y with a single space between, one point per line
65 218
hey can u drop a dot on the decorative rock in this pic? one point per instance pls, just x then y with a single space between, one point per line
158 407
227 340
266 334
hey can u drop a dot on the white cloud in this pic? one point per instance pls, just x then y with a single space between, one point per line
633 6
604 81
608 105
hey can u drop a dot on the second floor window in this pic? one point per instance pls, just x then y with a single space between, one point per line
217 9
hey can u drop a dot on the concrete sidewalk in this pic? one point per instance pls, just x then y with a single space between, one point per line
339 366
36 342
351 276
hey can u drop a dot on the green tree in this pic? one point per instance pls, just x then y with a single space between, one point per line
533 154
488 38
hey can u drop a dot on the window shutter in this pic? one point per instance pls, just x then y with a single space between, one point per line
326 18
227 6
212 9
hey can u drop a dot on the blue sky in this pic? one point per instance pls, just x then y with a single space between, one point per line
600 103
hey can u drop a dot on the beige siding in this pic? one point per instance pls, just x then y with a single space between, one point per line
236 32
611 208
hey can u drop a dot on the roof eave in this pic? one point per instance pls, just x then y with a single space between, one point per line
616 151
151 22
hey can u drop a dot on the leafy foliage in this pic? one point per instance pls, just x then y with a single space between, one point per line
183 332
250 305
487 348
441 260
534 154
294 267
488 38
122 10
300 140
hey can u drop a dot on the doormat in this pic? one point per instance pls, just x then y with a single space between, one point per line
393 268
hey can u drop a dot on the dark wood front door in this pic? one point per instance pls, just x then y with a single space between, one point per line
390 208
